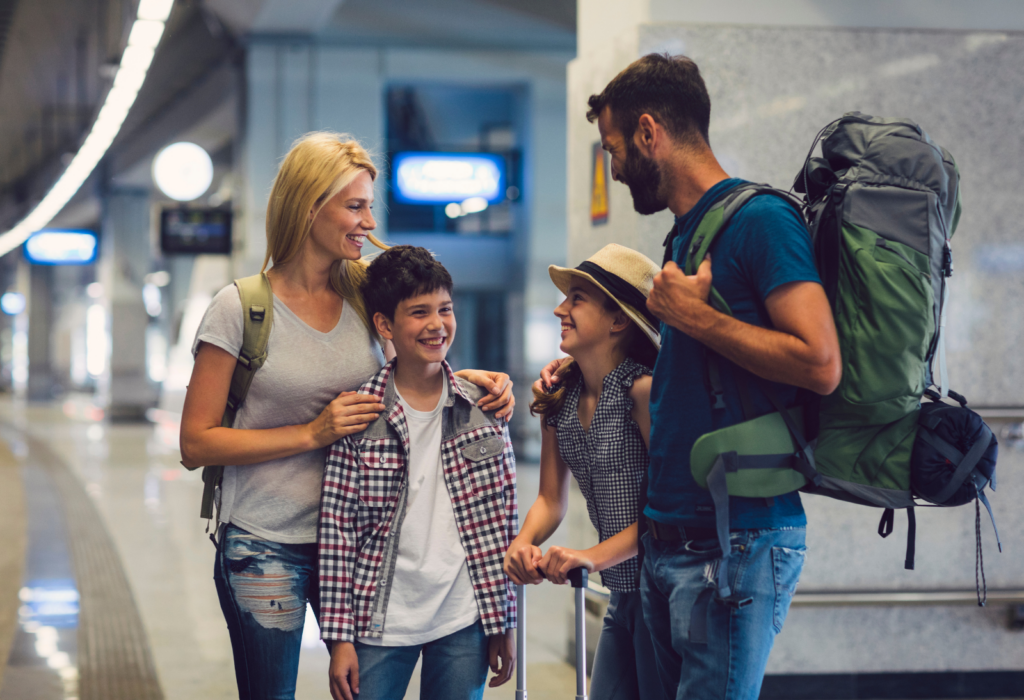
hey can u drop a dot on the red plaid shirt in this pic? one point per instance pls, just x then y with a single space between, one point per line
363 503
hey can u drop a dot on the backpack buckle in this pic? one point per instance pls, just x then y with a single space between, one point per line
244 359
257 313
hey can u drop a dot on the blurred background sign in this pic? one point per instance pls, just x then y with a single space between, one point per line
61 247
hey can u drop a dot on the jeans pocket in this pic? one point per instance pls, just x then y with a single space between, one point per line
786 567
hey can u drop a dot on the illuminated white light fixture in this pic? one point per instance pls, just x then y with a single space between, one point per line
160 278
151 299
96 340
183 171
474 205
12 303
143 39
470 206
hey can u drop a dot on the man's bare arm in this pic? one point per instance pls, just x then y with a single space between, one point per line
802 349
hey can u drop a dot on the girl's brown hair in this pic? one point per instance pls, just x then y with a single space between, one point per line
318 166
638 348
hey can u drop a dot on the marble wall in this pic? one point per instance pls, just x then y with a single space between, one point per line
772 89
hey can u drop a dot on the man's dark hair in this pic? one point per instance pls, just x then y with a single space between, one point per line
669 88
399 273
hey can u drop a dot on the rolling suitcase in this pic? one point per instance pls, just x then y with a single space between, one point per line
579 580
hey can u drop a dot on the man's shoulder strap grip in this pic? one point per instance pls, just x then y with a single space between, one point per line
717 218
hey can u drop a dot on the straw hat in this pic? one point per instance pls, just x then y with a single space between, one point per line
625 275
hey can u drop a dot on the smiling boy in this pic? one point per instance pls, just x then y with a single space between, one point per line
417 511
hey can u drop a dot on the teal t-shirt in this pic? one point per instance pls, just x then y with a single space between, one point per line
764 246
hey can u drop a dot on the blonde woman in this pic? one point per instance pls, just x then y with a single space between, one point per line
321 348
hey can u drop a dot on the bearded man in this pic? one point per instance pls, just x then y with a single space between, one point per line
653 119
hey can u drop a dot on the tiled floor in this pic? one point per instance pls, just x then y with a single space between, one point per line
149 505
146 506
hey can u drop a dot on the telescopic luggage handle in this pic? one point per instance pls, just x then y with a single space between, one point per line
520 642
578 579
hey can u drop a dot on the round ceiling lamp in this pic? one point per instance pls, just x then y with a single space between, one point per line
183 171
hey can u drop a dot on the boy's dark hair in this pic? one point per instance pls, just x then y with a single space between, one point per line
399 273
669 88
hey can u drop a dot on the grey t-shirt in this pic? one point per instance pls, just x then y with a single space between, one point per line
305 370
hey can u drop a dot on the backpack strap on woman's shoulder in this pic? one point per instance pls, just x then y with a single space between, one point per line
257 298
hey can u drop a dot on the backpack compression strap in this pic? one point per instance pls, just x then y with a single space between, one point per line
257 318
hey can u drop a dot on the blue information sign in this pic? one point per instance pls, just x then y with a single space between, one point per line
55 246
443 178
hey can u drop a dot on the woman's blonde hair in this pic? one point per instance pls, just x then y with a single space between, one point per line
318 166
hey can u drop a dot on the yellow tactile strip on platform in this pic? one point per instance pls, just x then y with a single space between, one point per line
113 653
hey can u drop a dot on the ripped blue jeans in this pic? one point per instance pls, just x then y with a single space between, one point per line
263 588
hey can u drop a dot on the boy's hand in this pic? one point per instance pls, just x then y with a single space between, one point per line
521 562
501 650
499 386
558 561
344 671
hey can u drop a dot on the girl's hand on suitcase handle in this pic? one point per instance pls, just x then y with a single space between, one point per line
501 654
344 671
521 562
558 561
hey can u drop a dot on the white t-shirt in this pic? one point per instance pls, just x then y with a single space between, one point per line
431 593
305 370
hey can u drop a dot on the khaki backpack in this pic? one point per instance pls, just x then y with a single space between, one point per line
257 317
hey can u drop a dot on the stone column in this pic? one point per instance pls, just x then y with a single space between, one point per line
40 327
126 253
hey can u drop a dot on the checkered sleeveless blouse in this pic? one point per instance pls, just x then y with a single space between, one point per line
608 460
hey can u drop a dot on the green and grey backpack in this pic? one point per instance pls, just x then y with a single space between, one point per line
881 206
257 318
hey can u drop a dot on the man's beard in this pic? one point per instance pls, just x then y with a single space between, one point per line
643 177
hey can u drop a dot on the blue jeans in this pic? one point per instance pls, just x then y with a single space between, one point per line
764 565
624 667
454 667
263 588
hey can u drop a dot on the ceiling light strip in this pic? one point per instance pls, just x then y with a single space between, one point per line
131 74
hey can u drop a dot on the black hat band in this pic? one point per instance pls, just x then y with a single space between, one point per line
620 289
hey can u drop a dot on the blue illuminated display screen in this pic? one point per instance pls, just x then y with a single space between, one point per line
194 231
443 178
61 247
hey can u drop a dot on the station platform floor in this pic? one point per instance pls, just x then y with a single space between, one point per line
106 589
106 572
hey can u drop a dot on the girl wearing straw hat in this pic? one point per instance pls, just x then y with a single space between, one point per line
596 426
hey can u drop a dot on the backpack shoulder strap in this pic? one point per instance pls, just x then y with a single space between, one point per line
257 319
721 213
716 220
